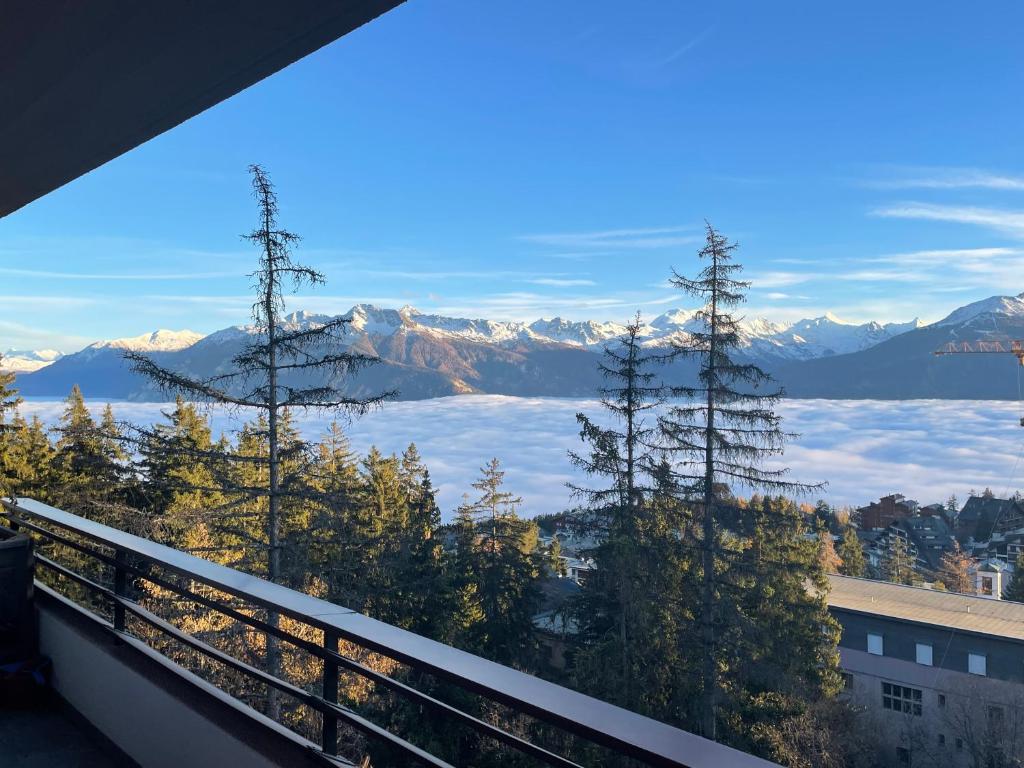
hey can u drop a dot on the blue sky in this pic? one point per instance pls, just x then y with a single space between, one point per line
521 159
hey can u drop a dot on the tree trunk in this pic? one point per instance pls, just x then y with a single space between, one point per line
709 679
274 502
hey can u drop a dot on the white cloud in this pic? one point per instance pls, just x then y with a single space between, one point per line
625 239
100 276
946 257
1005 222
925 449
20 336
560 282
949 178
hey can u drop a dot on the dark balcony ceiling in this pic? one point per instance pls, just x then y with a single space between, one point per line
83 81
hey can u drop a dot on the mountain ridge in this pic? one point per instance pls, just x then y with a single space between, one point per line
428 355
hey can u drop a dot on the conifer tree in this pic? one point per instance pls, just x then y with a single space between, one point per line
618 600
828 559
283 366
182 467
851 553
897 564
1015 591
28 457
955 569
719 437
9 401
89 466
782 638
466 610
505 566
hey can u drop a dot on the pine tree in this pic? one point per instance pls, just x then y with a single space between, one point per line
181 465
952 507
719 436
1015 591
955 570
851 553
27 457
9 401
466 610
897 564
828 559
505 566
286 365
89 466
782 638
617 602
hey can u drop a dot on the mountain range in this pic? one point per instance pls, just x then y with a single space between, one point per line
424 355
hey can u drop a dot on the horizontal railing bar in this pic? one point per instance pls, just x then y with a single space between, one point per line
408 691
311 700
63 540
68 573
107 626
623 731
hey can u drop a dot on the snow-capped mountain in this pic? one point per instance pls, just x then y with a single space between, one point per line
994 305
761 338
428 355
905 366
27 360
157 341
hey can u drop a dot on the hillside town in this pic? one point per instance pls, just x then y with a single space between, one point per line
971 548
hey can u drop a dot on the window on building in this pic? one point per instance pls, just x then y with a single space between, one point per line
942 739
959 744
900 698
903 755
875 644
986 585
995 718
924 654
977 664
847 680
942 699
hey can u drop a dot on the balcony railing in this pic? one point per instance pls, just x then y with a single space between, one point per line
130 558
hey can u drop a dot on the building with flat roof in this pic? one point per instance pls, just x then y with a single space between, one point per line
940 676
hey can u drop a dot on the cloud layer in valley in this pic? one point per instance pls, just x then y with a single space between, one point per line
925 449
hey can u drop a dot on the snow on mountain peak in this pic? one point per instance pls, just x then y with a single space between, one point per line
27 360
673 317
996 305
158 341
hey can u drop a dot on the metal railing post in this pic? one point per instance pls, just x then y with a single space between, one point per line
120 588
330 694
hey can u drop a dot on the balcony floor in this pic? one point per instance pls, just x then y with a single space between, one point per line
48 738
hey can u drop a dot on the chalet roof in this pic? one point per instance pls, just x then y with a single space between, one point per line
1000 618
555 591
984 507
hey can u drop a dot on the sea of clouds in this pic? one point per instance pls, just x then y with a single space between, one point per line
925 449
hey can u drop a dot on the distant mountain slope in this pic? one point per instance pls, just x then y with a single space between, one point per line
906 366
27 361
426 356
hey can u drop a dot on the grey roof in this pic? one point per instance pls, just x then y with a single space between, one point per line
920 529
986 510
1000 618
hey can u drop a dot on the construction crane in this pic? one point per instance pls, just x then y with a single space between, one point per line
983 348
1016 348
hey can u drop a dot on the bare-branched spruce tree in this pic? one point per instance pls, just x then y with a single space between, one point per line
718 438
283 367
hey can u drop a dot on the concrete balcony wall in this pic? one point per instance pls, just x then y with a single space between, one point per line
157 714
